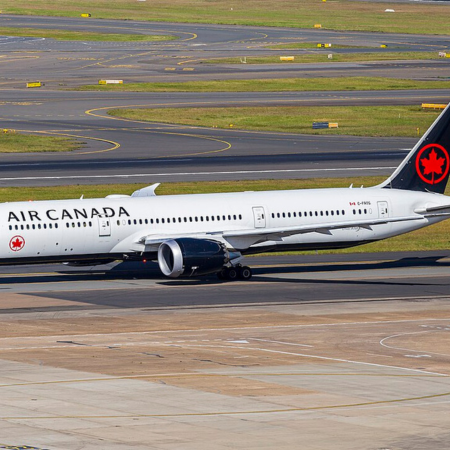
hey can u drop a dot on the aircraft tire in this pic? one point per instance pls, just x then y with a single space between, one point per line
232 274
245 273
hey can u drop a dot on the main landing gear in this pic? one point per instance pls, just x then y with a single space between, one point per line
235 273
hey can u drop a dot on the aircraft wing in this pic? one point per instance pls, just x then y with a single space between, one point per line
273 234
246 237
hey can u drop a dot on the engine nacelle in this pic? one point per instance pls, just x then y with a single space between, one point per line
191 257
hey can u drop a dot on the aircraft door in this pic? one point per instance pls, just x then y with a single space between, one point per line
259 217
383 210
104 226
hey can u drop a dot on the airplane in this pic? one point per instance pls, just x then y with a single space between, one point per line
201 234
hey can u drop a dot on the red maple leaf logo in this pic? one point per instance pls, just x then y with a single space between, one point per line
17 243
433 164
433 167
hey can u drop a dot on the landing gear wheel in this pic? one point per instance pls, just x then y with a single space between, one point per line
245 273
232 274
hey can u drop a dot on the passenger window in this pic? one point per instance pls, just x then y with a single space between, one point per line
240 216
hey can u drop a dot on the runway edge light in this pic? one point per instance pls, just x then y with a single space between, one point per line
86 15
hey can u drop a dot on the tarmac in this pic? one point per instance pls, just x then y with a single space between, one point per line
124 361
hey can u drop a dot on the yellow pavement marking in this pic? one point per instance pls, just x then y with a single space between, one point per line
234 413
114 144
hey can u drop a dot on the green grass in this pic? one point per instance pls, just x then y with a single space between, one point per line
436 237
64 35
21 143
343 15
275 85
352 120
322 56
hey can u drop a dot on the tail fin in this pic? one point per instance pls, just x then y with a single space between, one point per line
426 168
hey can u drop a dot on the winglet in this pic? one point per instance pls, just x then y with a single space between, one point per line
148 191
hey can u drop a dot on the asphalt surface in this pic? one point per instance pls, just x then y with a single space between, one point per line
121 150
277 281
116 150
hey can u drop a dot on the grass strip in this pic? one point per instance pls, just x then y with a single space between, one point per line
404 121
410 17
21 143
436 237
64 35
275 85
322 56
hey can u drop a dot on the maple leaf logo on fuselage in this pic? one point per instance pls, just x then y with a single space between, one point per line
432 163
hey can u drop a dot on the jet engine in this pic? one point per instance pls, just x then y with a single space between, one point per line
191 257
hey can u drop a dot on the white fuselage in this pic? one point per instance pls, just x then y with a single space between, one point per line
67 230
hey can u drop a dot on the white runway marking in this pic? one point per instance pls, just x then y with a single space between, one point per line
383 343
175 174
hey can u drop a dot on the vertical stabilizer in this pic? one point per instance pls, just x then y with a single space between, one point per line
426 168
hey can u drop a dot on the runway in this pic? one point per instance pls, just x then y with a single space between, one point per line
124 151
123 357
